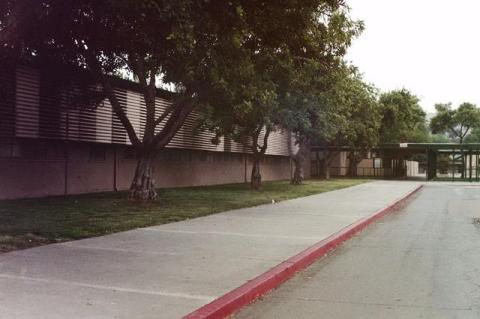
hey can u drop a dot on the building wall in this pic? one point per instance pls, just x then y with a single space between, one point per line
31 178
49 146
366 163
86 172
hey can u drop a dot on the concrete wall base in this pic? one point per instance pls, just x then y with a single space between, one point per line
84 171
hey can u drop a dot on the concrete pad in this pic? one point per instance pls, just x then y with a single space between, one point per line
25 299
167 271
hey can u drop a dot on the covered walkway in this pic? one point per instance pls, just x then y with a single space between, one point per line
430 161
441 161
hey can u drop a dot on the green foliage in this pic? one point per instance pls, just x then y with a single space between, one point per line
457 123
179 41
346 112
439 138
362 114
315 106
474 136
403 118
277 77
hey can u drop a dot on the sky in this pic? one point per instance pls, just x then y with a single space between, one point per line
431 48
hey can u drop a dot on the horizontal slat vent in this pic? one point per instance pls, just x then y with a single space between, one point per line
32 105
7 101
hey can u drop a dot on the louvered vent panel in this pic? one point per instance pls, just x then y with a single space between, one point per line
277 143
190 137
136 112
44 110
27 103
87 125
119 135
7 101
160 106
237 147
104 123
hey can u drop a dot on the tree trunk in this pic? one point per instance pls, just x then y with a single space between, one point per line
352 165
143 188
299 162
256 178
298 173
326 168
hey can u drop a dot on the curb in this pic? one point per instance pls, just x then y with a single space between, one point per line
254 288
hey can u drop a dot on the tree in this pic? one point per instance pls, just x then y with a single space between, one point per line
313 110
268 73
316 113
457 123
356 119
190 44
177 41
363 116
403 119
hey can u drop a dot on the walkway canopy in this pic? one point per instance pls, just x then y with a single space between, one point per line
440 161
448 161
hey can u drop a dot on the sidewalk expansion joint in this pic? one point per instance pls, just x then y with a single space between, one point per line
111 288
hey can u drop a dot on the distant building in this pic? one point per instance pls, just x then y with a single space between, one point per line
50 148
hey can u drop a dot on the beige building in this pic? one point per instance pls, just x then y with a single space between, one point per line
48 147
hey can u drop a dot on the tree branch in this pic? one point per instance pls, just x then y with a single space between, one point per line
174 123
150 94
164 115
116 106
256 134
265 140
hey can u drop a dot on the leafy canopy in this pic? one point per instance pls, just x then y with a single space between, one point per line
276 79
403 118
362 113
457 123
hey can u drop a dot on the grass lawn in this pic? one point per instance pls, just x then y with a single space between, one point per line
32 222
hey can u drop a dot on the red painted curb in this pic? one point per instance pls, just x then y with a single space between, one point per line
246 293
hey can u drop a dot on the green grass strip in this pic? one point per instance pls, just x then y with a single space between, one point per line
31 222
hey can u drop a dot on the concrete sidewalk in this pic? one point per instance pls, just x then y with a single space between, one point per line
170 270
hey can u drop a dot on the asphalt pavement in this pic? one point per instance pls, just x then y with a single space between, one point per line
420 262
